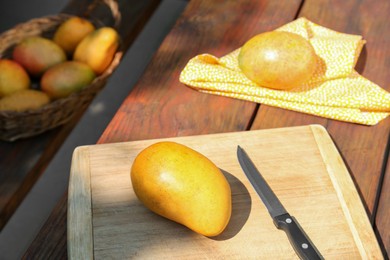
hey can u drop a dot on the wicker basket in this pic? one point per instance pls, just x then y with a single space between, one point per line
16 125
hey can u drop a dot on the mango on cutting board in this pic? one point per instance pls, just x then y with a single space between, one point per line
98 48
182 185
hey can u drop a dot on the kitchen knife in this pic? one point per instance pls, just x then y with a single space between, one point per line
301 243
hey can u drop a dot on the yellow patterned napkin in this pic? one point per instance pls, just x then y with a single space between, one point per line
335 91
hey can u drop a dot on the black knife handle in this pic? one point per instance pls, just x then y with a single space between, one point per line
304 248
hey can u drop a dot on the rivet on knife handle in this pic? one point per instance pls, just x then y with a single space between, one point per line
301 243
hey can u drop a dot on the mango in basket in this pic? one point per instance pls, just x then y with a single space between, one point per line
278 60
13 77
70 33
66 78
36 54
182 185
24 100
98 48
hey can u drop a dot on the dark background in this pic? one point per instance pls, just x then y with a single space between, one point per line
17 11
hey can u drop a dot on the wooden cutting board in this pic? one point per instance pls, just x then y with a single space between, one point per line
301 164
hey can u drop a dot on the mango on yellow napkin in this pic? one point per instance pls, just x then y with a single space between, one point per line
334 91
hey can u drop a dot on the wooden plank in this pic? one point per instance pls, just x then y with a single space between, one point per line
310 177
22 162
362 147
80 233
161 106
382 223
354 215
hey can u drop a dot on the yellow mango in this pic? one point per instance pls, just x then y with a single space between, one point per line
278 60
71 32
181 184
98 48
13 77
23 100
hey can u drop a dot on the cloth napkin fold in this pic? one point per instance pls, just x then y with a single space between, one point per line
335 91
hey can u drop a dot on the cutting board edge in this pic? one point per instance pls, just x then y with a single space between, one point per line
80 244
200 135
349 198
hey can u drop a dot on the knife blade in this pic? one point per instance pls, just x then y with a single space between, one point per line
299 240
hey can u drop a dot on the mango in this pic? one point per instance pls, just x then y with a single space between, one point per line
23 100
70 33
65 78
13 77
278 60
183 185
36 54
98 48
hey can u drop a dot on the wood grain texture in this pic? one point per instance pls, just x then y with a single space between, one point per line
382 223
80 237
301 164
362 147
346 190
161 106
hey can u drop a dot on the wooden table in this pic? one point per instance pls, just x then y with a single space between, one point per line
160 106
